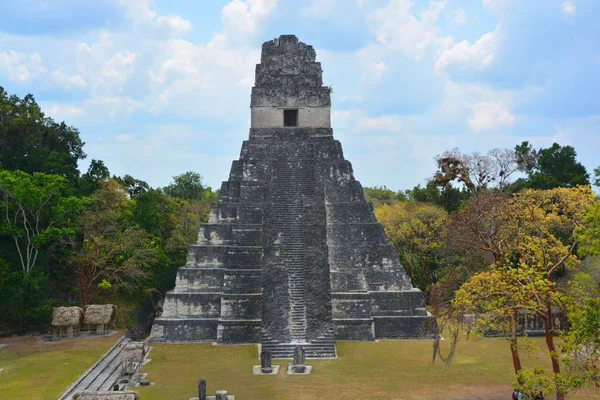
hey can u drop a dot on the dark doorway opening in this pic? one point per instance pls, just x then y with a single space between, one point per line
290 117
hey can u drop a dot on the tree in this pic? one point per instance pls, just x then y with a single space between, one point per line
95 176
556 166
477 172
36 212
597 176
382 195
32 142
416 230
187 186
531 237
588 233
134 186
447 196
113 253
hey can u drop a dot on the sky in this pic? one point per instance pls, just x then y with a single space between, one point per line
158 88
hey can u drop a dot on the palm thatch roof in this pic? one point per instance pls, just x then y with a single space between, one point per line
132 352
85 395
99 314
67 316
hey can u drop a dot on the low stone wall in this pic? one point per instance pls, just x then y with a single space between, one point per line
106 396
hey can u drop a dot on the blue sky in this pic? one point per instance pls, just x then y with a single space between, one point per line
158 88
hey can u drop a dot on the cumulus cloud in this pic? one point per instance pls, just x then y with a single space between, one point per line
397 27
21 67
489 115
68 81
242 18
479 55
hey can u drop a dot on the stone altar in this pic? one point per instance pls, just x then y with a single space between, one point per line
292 254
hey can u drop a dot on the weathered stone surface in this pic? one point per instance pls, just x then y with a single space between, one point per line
292 254
202 389
106 396
265 362
299 357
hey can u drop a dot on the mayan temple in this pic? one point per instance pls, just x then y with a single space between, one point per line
292 254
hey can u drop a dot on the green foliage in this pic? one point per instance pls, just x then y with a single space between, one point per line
588 233
187 186
26 300
91 181
549 168
382 195
448 197
32 142
35 212
134 186
417 232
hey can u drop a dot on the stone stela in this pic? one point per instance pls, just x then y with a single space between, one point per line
265 362
299 357
292 254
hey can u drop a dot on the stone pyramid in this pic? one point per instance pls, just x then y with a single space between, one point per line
292 254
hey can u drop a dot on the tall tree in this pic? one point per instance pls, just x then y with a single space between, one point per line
416 230
476 171
549 168
93 179
533 236
35 211
187 186
32 142
113 252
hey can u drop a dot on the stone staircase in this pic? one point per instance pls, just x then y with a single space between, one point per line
287 216
293 181
323 347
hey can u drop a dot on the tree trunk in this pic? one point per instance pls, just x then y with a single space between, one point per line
514 347
549 328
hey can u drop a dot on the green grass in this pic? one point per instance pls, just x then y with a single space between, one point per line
35 370
382 370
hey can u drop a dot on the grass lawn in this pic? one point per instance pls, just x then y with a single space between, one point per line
35 370
383 370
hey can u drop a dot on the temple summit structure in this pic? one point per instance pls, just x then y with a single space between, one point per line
292 255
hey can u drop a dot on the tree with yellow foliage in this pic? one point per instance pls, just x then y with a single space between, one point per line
530 237
416 230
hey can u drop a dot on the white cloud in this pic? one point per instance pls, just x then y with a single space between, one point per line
242 18
569 7
489 115
120 66
68 81
460 16
478 55
148 20
62 112
21 67
174 24
397 28
374 72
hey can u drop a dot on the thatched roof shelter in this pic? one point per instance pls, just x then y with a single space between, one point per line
132 352
106 396
99 314
67 316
